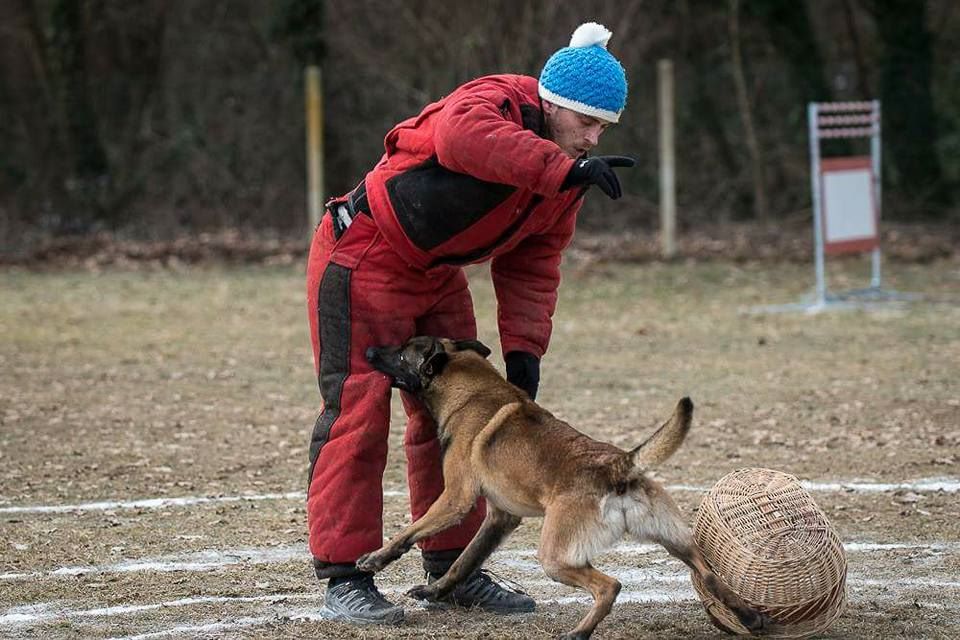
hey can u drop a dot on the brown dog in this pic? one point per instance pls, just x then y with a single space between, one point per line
499 444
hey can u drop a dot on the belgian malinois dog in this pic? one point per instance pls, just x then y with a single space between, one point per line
499 444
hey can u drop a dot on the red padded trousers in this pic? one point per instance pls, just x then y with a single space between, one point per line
361 294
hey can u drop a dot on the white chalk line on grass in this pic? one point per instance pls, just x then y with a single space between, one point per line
151 503
933 485
44 612
923 485
940 546
194 630
212 559
635 575
638 597
673 588
927 485
206 560
310 615
934 547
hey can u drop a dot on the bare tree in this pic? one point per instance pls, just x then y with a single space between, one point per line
905 89
746 115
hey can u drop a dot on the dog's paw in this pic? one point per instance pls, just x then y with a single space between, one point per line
370 562
756 622
422 592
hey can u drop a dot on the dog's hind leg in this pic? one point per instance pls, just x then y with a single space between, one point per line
749 617
450 508
560 556
666 527
602 587
496 526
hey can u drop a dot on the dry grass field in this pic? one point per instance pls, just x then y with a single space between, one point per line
154 428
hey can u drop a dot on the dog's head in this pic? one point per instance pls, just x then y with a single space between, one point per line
415 363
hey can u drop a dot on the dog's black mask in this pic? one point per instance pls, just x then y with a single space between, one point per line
414 364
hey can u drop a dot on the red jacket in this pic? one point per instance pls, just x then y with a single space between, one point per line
470 179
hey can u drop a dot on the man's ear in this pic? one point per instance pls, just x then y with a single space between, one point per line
435 364
472 345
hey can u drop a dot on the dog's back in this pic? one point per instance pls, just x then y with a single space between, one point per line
485 384
531 452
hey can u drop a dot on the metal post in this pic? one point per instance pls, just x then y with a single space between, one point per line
314 107
668 198
877 187
812 111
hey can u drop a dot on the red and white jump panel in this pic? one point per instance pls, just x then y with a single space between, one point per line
850 215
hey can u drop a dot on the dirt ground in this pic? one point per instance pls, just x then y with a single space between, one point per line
195 385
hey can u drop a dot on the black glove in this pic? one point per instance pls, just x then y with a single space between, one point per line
598 170
523 370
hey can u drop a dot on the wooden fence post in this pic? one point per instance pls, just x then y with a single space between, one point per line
668 196
314 108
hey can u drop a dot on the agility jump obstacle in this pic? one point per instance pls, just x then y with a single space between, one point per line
846 203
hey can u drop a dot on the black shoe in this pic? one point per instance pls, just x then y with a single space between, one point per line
479 590
355 599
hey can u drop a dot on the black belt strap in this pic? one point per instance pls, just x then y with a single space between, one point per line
357 202
345 213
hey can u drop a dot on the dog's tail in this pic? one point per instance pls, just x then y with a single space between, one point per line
665 440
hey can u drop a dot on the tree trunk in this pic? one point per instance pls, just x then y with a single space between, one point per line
88 159
909 120
858 56
702 101
746 116
791 33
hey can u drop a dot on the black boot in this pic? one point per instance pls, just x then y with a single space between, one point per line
481 591
355 599
478 589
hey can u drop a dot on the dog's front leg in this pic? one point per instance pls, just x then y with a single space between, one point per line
496 526
451 507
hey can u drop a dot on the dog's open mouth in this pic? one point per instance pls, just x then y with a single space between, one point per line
400 378
408 383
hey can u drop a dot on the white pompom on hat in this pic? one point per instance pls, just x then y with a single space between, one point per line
584 77
589 34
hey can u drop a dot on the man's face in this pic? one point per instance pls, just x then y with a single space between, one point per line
573 132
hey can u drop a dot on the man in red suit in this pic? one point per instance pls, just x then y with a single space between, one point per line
495 171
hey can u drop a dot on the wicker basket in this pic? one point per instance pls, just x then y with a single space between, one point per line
764 536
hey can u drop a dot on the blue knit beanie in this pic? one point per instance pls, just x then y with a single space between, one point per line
584 77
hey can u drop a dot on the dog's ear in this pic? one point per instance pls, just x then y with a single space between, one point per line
435 364
472 345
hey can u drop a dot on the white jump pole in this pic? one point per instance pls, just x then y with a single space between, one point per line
875 155
821 285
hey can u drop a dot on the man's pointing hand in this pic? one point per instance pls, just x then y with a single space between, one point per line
598 170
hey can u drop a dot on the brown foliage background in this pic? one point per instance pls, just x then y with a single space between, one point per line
155 120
